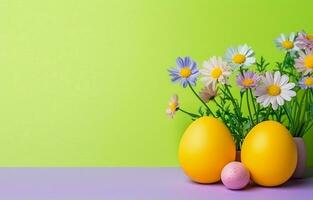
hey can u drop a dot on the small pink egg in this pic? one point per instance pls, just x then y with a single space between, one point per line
235 176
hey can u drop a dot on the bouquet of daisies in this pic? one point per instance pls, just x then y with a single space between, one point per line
282 91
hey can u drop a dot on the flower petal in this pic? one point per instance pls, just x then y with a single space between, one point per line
277 78
187 61
288 86
180 62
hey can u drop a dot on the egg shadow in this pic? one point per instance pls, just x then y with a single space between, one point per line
306 181
250 187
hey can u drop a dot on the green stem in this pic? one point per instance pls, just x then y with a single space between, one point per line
280 115
254 107
288 116
237 111
308 128
218 104
248 103
207 107
268 113
285 58
232 99
301 106
189 113
240 104
301 131
306 115
241 71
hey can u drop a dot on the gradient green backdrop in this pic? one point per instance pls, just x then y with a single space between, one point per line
84 82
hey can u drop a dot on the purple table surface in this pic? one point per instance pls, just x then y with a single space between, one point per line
132 184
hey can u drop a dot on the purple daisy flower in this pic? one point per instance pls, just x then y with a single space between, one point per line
185 72
306 82
304 41
248 80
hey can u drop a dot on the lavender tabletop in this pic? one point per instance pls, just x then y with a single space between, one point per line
132 184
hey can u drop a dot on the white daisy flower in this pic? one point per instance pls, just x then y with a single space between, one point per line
286 42
275 90
214 71
243 55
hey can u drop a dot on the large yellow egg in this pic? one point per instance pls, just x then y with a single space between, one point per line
269 153
205 148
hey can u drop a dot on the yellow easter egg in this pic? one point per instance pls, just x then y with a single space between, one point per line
205 148
269 153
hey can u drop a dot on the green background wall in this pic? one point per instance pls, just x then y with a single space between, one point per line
84 82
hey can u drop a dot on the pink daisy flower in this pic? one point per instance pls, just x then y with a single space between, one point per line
172 106
248 80
306 82
305 41
304 63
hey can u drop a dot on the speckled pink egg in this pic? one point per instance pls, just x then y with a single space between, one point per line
235 176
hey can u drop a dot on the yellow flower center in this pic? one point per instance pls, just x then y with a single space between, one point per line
185 72
247 82
216 72
308 62
172 106
239 58
309 37
287 44
273 90
308 81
